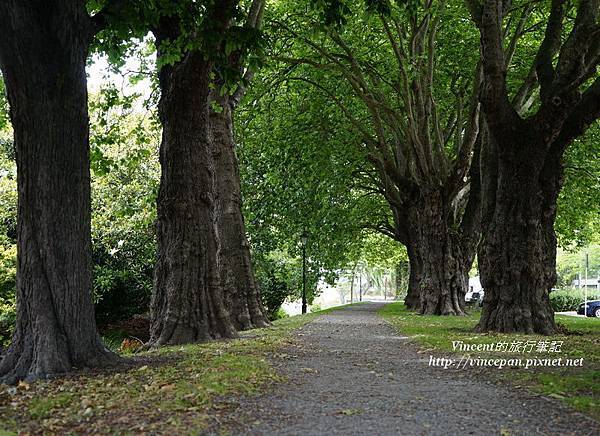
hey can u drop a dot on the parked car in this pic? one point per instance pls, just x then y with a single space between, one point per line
593 308
474 297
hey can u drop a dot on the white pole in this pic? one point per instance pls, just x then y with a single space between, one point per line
585 286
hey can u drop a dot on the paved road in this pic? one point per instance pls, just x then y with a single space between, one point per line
351 373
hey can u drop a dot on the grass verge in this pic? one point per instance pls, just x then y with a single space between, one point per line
170 389
578 386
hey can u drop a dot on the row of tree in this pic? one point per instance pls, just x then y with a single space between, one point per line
304 163
465 141
203 282
460 128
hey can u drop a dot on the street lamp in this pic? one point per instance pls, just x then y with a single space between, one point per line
304 240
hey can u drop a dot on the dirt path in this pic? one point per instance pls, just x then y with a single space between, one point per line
351 373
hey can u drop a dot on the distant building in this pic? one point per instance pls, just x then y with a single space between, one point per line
589 283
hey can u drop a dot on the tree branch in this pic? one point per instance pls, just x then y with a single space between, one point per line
549 47
494 96
357 125
112 9
254 21
581 118
571 69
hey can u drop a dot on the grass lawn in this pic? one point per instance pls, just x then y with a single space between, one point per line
172 388
577 386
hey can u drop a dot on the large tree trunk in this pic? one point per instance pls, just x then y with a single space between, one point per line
237 277
443 272
43 49
518 253
188 301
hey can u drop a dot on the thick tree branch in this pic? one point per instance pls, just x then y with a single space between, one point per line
112 9
523 98
581 118
494 96
571 69
512 45
471 222
475 9
549 47
254 21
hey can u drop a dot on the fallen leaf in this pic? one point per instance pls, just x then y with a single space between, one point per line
166 388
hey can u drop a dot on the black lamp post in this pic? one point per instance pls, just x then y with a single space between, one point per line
304 240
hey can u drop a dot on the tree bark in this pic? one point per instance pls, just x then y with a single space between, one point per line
518 253
188 300
523 170
43 49
237 277
443 279
412 299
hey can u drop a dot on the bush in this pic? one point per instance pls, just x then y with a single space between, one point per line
123 275
125 179
273 291
8 270
277 278
568 299
7 321
280 314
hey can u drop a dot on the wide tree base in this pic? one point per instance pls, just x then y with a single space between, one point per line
447 310
260 323
514 318
247 318
443 294
49 357
250 324
172 333
412 300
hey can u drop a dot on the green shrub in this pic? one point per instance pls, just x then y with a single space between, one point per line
125 179
8 270
279 277
113 339
280 314
7 321
273 291
123 274
315 308
568 299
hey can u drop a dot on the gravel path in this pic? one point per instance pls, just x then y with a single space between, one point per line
351 373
